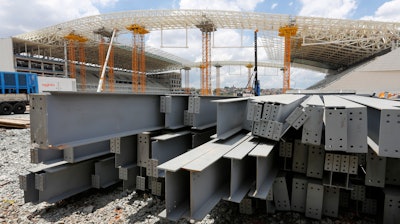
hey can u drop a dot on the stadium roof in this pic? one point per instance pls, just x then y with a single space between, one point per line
320 42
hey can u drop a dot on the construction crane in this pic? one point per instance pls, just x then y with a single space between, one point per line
257 89
206 27
249 67
138 63
287 32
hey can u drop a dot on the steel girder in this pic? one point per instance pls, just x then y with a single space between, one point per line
383 124
68 119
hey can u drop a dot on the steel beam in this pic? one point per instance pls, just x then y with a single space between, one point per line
90 117
299 194
266 169
173 107
204 111
219 149
312 128
391 214
383 124
105 173
125 149
166 147
128 175
315 161
345 125
199 138
46 156
177 195
314 201
178 162
300 154
208 187
330 205
61 182
392 171
231 117
375 170
242 170
281 194
85 152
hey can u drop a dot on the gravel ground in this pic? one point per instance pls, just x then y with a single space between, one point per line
112 205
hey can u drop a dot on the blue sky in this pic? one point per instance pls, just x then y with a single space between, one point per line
41 13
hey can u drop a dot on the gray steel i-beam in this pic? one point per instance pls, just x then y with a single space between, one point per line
375 170
204 111
46 156
125 149
173 107
266 169
177 195
85 152
391 214
242 170
70 155
312 128
105 173
201 137
299 194
231 117
392 171
281 194
166 147
315 161
330 205
345 125
90 117
57 183
383 124
314 201
300 154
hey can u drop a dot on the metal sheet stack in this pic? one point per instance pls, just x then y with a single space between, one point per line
313 154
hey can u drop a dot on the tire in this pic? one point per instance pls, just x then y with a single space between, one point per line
19 108
5 108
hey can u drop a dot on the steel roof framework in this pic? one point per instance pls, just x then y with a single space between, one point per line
329 43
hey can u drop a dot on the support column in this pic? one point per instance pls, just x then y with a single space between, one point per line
187 88
218 80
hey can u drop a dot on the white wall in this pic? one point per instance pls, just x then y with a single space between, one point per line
6 55
56 84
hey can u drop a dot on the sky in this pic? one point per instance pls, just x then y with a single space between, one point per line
20 16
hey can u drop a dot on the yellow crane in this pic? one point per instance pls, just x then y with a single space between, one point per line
287 32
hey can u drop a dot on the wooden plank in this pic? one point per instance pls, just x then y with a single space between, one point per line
15 123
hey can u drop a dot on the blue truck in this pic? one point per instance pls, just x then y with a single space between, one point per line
15 88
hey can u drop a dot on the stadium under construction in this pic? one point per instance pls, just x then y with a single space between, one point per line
321 151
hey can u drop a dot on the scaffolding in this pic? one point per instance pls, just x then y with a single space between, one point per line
138 57
287 32
206 27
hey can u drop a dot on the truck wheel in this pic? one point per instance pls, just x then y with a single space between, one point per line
5 108
19 108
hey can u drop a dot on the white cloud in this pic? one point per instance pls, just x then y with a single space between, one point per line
290 3
19 16
236 5
273 6
329 8
388 11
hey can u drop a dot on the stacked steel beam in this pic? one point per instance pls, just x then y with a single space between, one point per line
312 154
